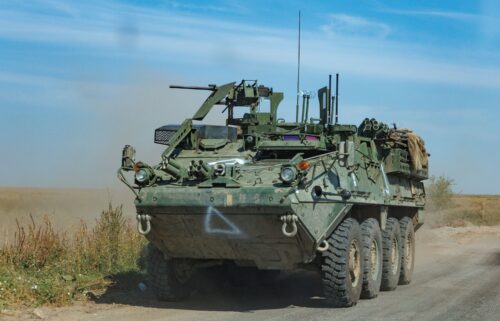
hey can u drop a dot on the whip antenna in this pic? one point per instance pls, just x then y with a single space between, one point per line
298 78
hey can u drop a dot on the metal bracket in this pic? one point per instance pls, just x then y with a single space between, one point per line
289 220
122 178
323 247
143 219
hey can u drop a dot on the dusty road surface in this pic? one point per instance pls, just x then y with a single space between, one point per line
457 277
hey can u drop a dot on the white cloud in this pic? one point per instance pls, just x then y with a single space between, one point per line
344 24
229 7
486 20
349 44
454 15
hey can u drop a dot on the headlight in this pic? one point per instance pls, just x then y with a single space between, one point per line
287 174
142 176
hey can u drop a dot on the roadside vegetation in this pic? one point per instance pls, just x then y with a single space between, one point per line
444 208
43 266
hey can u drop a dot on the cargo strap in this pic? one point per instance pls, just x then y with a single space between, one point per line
289 219
141 219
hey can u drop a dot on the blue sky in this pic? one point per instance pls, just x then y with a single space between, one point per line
79 79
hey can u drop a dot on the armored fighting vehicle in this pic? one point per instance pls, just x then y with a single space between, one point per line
265 194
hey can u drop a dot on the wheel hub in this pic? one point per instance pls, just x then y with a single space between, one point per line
374 260
354 263
394 256
409 252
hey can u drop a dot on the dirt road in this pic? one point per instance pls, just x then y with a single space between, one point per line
457 277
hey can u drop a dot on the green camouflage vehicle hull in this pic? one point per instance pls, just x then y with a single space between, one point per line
281 196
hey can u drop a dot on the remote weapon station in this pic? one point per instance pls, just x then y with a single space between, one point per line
261 194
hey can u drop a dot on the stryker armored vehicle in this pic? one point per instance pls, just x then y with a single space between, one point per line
264 194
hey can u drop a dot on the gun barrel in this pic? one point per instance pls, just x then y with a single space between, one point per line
209 87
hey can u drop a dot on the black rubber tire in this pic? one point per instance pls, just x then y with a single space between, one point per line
407 250
162 278
391 267
339 287
372 258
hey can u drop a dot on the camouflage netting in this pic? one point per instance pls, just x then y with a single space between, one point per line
416 148
403 138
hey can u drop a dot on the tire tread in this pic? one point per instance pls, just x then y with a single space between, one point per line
370 231
392 230
334 265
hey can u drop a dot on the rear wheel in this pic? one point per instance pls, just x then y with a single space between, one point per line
391 266
372 258
170 279
407 250
342 266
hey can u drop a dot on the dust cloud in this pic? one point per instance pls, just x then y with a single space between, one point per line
128 114
65 207
74 177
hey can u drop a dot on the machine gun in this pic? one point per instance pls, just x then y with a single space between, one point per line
245 94
209 87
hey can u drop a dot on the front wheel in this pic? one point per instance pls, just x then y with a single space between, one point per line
342 265
170 279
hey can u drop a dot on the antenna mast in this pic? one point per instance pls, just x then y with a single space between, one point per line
298 78
337 98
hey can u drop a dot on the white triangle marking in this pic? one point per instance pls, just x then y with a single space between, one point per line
213 212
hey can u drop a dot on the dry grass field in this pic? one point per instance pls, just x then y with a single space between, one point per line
465 210
59 244
64 207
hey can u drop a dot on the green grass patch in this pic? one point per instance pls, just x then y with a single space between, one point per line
42 266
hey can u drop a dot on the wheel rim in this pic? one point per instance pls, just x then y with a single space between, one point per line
354 263
394 256
374 260
409 252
